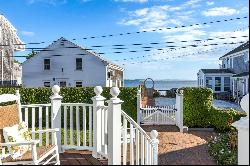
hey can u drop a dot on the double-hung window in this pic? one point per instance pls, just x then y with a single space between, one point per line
78 84
78 63
46 64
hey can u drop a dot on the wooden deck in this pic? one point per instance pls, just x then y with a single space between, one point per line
73 157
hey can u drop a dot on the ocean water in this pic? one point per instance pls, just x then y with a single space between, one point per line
162 84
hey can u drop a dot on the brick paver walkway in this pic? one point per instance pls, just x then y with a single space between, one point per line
177 148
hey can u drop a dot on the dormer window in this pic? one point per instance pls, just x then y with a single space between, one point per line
78 63
46 64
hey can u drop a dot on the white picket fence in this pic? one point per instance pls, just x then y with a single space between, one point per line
95 127
158 115
165 115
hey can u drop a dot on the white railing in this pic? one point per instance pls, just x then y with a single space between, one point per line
158 115
38 116
77 126
107 131
137 147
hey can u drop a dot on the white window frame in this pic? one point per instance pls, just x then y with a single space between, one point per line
44 68
47 82
78 82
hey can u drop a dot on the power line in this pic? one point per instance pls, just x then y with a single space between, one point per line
144 31
180 56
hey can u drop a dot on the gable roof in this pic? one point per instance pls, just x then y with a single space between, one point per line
86 50
238 49
217 71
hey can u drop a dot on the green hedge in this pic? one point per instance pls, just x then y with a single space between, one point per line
75 95
199 110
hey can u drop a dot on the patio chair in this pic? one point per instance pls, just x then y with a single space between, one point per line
10 115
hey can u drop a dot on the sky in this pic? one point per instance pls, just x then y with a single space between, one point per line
48 20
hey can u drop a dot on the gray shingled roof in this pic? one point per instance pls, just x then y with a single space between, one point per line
242 74
215 71
238 49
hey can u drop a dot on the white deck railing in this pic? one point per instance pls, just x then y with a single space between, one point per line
144 149
38 116
107 131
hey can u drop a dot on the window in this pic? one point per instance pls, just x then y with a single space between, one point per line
62 83
217 84
231 63
78 63
46 63
46 84
209 82
226 84
78 84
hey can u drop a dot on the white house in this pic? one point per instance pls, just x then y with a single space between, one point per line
233 75
67 64
217 79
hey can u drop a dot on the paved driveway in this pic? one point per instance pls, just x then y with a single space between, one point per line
177 148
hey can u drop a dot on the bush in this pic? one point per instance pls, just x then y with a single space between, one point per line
75 95
224 148
199 110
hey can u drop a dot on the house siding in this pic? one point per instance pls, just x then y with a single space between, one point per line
93 73
239 64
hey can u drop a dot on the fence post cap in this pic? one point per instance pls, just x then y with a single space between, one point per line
114 91
56 90
98 90
154 134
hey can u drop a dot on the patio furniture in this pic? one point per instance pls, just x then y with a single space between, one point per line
11 115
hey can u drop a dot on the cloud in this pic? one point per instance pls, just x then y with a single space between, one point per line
27 33
220 11
209 3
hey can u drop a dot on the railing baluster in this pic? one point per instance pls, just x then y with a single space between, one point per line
26 115
65 125
84 126
146 153
40 121
142 149
71 126
149 155
47 125
77 126
33 122
106 131
90 126
124 140
137 147
131 144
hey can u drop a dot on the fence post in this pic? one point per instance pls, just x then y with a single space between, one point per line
139 106
179 107
98 101
56 101
155 141
243 133
114 128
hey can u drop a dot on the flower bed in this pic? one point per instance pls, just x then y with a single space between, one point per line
224 148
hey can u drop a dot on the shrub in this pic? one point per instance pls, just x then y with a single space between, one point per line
224 148
199 110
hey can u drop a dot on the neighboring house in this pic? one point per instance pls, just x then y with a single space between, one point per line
237 61
10 72
67 64
233 75
217 79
